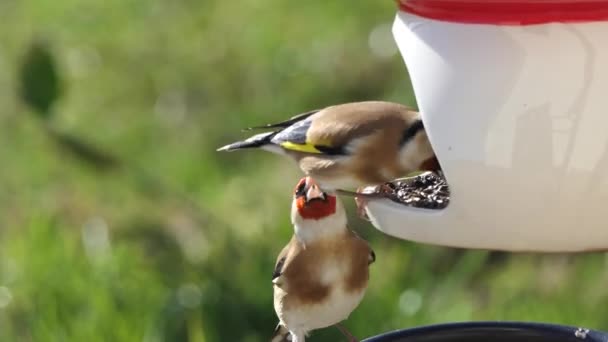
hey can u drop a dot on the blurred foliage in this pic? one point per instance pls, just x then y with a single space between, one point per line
39 79
180 245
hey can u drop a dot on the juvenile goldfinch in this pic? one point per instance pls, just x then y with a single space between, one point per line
321 276
350 145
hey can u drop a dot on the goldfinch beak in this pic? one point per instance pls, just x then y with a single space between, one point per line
313 192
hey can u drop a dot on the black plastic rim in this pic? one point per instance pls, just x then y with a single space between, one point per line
492 331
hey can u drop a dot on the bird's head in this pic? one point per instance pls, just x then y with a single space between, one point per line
316 212
311 202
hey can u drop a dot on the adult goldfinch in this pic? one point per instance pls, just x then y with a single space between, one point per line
321 276
350 145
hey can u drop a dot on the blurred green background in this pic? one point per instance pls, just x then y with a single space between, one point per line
120 222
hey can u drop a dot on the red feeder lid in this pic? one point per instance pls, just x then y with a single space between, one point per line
508 12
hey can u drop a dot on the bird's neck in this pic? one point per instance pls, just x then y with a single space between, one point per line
309 231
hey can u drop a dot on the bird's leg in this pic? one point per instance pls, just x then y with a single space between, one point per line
346 333
361 202
298 337
361 199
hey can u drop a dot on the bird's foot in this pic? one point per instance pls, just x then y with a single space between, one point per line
346 333
363 199
361 202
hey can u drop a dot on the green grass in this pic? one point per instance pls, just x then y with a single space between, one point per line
179 245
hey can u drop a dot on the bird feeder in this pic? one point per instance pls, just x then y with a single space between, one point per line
514 97
492 331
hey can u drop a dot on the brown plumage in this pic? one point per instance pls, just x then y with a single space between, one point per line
322 274
303 267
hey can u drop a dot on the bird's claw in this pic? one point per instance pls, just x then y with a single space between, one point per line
379 191
361 202
361 205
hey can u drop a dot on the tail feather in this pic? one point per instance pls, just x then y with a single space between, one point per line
280 334
255 141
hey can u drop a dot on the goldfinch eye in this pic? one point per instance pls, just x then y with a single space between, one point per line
300 188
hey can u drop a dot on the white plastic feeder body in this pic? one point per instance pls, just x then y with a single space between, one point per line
518 117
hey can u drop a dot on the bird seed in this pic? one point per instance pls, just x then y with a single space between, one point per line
427 190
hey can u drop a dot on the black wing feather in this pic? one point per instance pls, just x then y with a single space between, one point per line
278 268
411 131
332 151
286 123
295 133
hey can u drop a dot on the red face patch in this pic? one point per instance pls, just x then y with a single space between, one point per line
317 208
